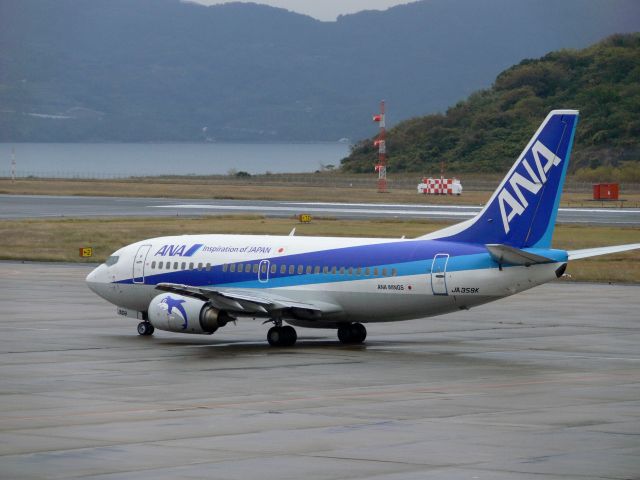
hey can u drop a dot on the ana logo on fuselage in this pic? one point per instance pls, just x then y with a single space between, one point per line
518 183
178 250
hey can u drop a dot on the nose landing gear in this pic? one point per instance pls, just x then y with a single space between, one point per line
145 329
352 333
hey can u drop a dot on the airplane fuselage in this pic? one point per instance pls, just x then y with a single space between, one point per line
371 279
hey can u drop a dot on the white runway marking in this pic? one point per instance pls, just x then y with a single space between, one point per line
392 205
419 210
598 210
313 209
468 207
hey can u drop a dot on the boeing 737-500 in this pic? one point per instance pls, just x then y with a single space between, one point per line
200 283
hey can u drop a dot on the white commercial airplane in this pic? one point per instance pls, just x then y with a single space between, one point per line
199 283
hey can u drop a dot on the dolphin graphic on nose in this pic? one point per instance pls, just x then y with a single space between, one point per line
177 304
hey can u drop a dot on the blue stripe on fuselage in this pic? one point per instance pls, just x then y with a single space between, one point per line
407 257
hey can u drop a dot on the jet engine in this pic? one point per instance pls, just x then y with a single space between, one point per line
177 313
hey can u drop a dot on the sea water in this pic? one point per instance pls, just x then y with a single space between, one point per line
116 160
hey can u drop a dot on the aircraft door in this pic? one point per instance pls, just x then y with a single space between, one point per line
438 274
138 263
263 271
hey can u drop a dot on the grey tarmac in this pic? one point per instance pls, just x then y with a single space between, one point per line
542 385
43 206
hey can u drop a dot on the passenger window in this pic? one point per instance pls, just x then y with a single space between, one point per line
200 266
190 265
283 269
153 264
225 267
184 266
316 270
160 265
263 268
394 272
325 269
300 269
175 265
308 271
341 270
333 270
274 268
367 272
359 271
384 272
350 271
292 269
375 272
208 267
255 268
232 267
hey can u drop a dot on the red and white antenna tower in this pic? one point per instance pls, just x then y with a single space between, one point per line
380 142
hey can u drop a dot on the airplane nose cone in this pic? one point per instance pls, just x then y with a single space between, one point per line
97 280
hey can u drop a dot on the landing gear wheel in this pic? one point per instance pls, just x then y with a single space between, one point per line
353 333
358 332
282 336
145 329
273 336
290 335
344 333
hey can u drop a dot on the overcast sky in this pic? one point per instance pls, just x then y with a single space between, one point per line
322 9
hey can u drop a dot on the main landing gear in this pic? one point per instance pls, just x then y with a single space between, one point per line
145 329
352 333
280 336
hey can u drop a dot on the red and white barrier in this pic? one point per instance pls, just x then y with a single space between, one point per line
440 186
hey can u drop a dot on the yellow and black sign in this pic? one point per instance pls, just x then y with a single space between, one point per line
304 218
86 251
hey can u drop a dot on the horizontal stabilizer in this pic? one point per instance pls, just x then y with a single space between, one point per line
594 252
504 254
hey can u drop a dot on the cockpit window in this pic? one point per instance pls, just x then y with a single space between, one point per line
112 260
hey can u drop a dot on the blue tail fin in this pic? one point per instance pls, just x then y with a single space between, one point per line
522 211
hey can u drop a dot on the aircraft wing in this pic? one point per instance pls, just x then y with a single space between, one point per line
593 252
250 302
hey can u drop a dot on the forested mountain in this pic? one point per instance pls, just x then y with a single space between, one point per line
166 70
486 132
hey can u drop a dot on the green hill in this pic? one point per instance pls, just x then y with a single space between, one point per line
486 132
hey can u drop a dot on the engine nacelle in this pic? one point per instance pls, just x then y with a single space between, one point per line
177 313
